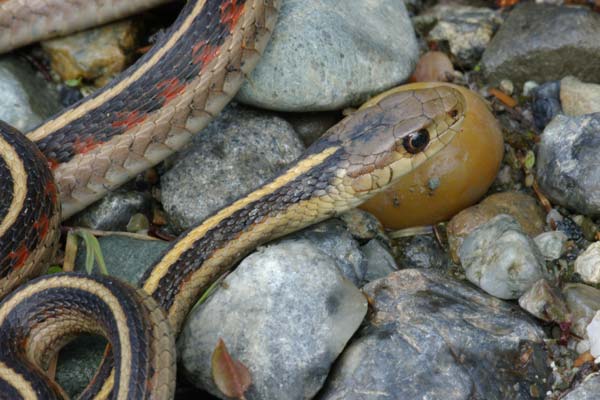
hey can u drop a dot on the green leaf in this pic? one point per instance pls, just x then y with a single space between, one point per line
93 252
73 82
529 160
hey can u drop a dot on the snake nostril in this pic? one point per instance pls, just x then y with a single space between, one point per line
415 142
453 113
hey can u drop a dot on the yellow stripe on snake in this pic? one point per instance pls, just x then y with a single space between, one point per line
140 118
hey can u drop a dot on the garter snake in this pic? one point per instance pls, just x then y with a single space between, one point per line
99 143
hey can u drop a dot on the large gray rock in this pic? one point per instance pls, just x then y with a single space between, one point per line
567 162
544 42
329 54
583 302
236 153
587 390
286 313
27 99
431 337
501 259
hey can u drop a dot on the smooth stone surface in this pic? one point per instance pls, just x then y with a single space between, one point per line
593 333
235 154
432 337
311 126
420 251
552 244
319 57
520 206
545 302
587 264
125 257
78 362
545 42
113 211
579 98
567 163
583 302
501 259
27 99
587 390
545 103
465 30
380 263
286 313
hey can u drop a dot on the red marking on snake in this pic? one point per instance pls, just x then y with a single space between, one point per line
85 145
20 255
203 53
128 119
52 163
170 88
51 190
42 225
231 13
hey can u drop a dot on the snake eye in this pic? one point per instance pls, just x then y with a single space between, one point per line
415 142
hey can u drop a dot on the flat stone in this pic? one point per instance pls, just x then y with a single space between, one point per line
587 264
286 313
320 58
545 42
583 302
545 302
586 390
567 163
579 98
501 259
432 337
552 244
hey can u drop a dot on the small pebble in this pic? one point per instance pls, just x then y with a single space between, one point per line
587 265
507 86
552 244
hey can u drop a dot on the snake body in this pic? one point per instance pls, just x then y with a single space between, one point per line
124 132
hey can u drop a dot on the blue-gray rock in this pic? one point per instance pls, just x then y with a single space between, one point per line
420 251
236 153
77 363
583 302
545 103
545 42
380 263
501 259
310 126
567 163
432 337
286 313
27 99
113 211
586 390
552 244
320 58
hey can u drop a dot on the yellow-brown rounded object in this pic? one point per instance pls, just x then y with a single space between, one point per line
450 181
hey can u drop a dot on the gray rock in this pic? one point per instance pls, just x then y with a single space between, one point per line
583 302
77 363
236 153
432 337
286 313
567 167
332 238
311 126
380 263
501 259
464 30
552 244
587 264
579 98
420 251
545 302
545 103
27 99
113 211
544 42
587 390
320 58
125 257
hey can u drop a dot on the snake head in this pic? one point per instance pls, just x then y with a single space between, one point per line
396 134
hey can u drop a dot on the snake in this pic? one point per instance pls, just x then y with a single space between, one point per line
146 114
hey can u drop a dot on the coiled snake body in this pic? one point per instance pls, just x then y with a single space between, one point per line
139 119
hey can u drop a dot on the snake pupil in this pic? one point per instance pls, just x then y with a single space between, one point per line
416 141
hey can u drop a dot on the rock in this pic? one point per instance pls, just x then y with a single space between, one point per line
541 42
545 302
583 302
27 99
520 206
380 262
552 244
310 126
501 259
587 264
567 168
579 98
545 103
95 55
113 211
464 30
593 333
432 337
320 59
586 390
364 225
125 257
78 362
286 313
236 153
433 66
420 251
